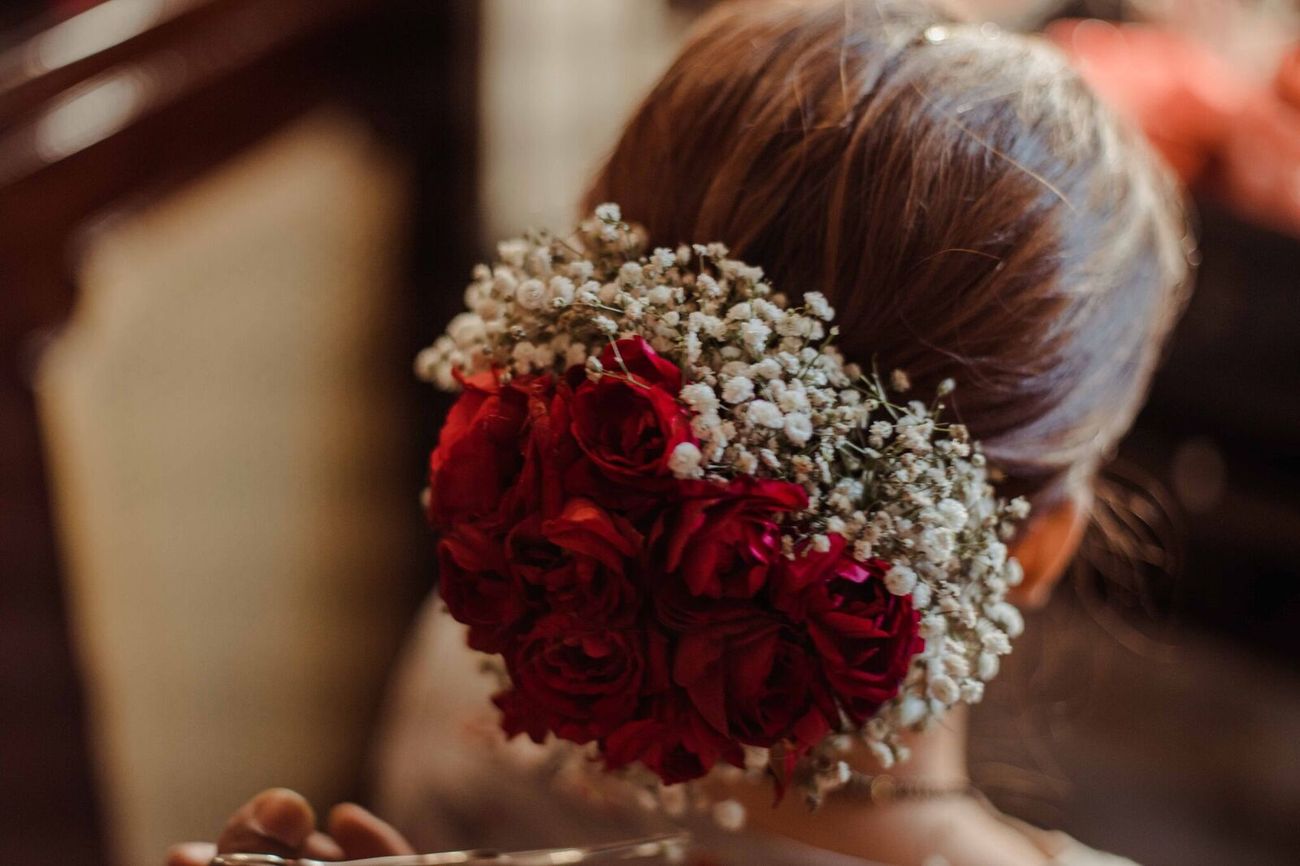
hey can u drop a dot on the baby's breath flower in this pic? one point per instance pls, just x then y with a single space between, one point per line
817 305
795 400
1007 617
512 252
741 312
765 413
466 329
427 362
996 642
685 461
660 296
531 294
700 397
944 689
746 462
768 395
738 389
900 580
562 288
691 348
953 513
755 334
937 543
911 710
883 754
798 427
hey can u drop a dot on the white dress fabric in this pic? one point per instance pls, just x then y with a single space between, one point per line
444 778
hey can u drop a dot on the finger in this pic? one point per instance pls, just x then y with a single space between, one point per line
321 847
191 854
278 821
364 835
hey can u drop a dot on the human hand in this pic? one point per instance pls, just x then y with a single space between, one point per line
280 821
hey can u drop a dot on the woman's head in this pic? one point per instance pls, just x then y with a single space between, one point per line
959 194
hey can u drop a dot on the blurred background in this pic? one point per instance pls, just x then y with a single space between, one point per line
229 225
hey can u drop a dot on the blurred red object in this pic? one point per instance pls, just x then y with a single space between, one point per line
1223 133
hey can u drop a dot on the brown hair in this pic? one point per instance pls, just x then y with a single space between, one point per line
959 194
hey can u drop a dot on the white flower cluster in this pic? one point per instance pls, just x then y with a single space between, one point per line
771 396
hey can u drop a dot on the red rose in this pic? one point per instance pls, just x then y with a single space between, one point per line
756 680
479 589
866 636
721 542
581 559
480 450
574 680
678 610
476 390
675 743
547 447
629 421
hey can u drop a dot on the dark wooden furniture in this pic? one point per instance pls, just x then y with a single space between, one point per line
124 102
